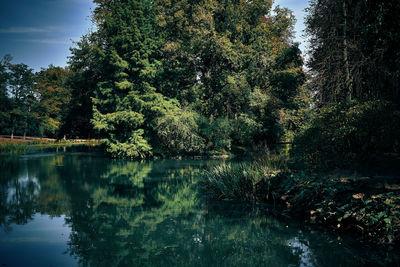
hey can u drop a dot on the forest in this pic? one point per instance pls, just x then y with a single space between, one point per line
187 77
215 77
169 78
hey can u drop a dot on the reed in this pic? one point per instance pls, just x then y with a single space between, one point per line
13 147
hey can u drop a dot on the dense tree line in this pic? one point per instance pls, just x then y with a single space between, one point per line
34 104
354 49
167 77
189 76
355 78
182 76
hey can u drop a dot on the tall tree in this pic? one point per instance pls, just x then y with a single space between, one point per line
23 97
125 103
84 73
5 102
54 98
190 70
219 55
354 51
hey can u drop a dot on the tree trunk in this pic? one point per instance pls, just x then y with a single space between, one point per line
26 121
12 129
348 81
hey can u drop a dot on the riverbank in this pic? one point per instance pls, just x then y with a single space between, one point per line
21 146
365 206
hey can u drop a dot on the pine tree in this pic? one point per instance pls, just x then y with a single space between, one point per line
126 104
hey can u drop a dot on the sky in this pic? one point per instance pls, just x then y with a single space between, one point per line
298 7
40 32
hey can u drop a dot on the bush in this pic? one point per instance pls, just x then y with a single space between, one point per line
238 181
178 132
244 130
217 133
344 133
231 182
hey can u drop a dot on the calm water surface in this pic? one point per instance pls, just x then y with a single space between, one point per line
69 209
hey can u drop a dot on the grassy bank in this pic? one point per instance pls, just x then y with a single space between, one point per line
368 206
21 147
10 147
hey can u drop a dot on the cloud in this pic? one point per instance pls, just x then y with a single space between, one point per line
30 29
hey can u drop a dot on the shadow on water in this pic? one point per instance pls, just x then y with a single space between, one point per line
146 213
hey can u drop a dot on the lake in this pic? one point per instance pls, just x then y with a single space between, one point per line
84 209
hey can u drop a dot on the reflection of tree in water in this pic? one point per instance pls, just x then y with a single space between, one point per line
53 198
126 210
18 193
125 213
158 220
29 186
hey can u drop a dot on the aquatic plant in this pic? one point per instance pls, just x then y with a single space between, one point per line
239 182
20 147
13 147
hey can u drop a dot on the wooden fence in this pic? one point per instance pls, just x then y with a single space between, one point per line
30 138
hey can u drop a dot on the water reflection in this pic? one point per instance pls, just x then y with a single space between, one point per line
147 213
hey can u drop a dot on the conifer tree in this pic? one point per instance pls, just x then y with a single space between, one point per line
126 104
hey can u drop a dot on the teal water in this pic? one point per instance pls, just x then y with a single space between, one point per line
83 209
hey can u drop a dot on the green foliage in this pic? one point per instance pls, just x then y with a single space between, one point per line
218 56
53 99
343 203
217 133
36 103
23 99
171 77
354 50
85 73
135 146
242 181
13 147
126 104
232 182
245 129
178 132
342 133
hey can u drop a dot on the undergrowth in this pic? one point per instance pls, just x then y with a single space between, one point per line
369 205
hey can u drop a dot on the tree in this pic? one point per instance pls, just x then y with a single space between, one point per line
125 103
84 73
160 70
54 98
217 55
354 63
23 97
5 103
353 49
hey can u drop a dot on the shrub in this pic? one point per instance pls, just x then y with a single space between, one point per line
245 129
178 132
343 133
217 133
238 181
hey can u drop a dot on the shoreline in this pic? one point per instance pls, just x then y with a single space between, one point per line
368 207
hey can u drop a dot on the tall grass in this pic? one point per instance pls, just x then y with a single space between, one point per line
241 181
13 147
